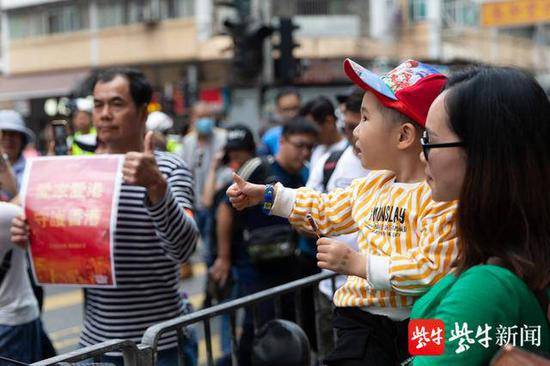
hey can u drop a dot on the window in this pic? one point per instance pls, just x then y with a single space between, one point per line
167 9
134 11
170 9
37 21
185 8
316 7
22 25
67 18
110 13
460 13
26 24
71 16
312 7
417 10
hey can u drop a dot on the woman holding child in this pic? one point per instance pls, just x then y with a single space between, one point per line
486 144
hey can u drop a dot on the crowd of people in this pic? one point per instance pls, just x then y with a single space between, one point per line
425 193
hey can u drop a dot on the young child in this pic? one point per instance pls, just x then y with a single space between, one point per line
407 241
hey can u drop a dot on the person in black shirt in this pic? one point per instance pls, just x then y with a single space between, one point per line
264 251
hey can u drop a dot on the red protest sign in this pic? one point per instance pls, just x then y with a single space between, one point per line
71 204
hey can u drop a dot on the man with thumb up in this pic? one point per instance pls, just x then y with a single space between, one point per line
155 230
119 114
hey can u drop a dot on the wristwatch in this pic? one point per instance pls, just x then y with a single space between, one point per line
269 198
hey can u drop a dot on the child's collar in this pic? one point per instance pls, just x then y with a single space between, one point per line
407 184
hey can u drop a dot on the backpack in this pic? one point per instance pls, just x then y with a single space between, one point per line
270 243
330 166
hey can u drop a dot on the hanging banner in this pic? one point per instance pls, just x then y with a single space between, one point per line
71 207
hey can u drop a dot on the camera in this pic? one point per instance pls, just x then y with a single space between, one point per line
60 137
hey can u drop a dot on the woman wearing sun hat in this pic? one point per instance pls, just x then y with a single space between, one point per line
15 136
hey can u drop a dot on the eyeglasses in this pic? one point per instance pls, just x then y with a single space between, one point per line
426 146
302 145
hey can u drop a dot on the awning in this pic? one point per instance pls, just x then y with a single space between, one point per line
41 85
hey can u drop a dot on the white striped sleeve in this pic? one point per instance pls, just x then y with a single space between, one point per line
414 272
174 226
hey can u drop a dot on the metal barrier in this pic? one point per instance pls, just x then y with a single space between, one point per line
152 335
131 354
145 353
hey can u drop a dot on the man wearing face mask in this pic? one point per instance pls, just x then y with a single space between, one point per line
200 146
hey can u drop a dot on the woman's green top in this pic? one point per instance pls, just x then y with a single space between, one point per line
483 295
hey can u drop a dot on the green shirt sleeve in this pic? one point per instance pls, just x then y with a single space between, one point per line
483 296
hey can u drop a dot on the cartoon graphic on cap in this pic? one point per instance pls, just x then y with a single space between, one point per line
407 74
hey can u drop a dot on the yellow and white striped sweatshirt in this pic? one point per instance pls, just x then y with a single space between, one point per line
409 239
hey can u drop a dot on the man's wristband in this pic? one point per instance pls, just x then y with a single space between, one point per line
269 198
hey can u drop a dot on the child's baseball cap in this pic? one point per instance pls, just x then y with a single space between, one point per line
410 88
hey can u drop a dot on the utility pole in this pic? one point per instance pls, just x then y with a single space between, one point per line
435 14
94 50
269 65
5 42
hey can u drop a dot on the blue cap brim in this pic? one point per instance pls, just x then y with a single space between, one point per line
366 80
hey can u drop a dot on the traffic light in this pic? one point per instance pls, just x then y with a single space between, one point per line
248 39
287 66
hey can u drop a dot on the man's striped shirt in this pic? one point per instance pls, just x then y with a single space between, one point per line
150 242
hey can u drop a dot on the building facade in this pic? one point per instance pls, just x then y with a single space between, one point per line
49 46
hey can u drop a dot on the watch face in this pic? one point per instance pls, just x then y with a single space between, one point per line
269 194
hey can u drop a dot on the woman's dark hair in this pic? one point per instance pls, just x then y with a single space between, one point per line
503 116
140 88
300 126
